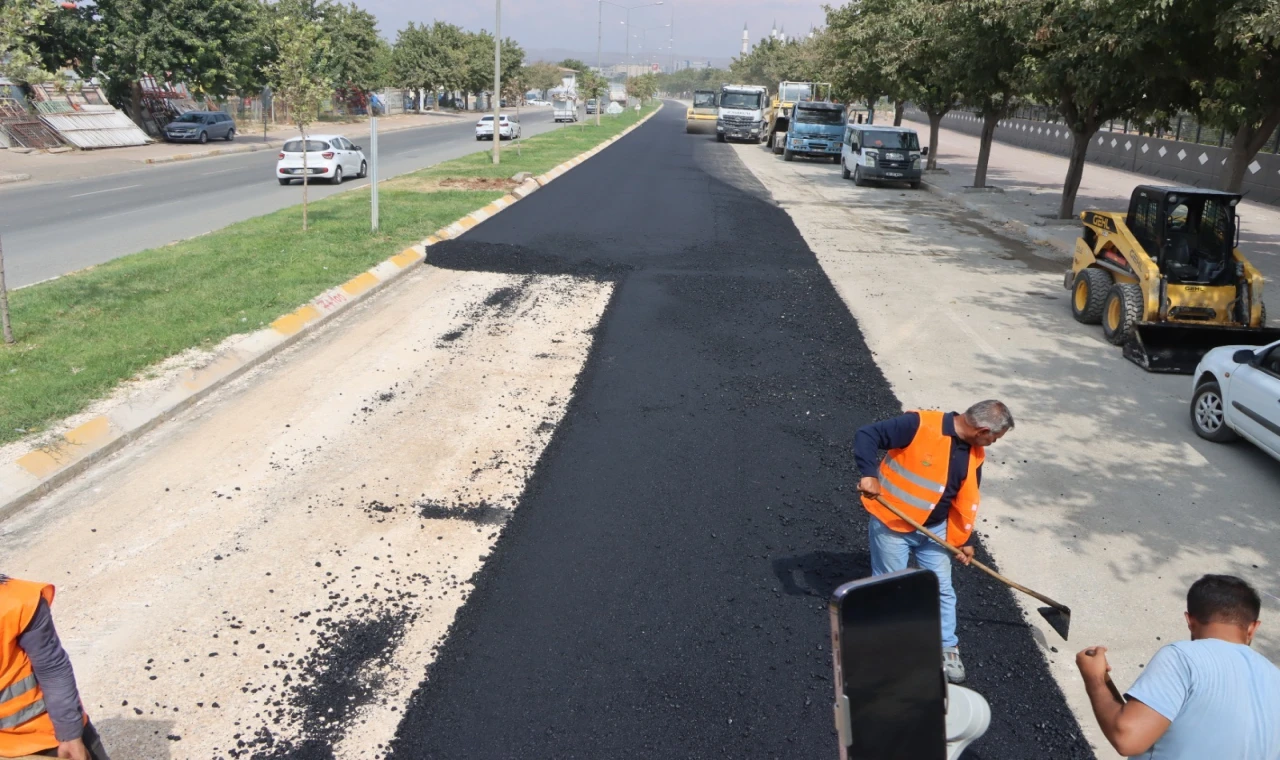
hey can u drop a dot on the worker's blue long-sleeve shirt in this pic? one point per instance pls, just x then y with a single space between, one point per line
897 433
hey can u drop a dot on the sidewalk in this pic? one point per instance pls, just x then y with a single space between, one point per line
1032 188
79 164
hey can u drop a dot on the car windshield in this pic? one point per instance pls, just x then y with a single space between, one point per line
747 100
794 92
898 140
191 117
295 146
819 116
486 118
704 100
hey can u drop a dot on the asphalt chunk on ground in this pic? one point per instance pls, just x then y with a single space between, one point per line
661 588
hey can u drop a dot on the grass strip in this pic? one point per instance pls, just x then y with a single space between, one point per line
80 336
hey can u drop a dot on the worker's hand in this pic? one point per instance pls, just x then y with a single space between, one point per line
869 486
1093 665
965 556
74 749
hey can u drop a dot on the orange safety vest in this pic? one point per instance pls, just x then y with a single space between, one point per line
913 479
25 727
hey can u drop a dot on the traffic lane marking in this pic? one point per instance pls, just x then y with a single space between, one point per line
110 190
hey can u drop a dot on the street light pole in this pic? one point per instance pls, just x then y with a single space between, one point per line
497 83
599 63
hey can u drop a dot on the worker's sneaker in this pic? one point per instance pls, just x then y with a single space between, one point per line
951 664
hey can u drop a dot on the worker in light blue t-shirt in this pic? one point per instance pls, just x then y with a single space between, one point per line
1210 697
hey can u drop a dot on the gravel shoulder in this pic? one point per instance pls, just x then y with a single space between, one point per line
1102 497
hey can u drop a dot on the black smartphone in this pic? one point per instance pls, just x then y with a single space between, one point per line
886 641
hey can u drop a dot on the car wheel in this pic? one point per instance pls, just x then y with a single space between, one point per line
1089 295
204 137
337 176
915 185
284 180
231 135
1209 414
857 177
1122 311
364 170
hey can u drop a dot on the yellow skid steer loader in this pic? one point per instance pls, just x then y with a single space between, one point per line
1167 280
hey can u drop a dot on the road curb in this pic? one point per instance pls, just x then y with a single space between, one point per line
1033 233
254 148
44 468
6 179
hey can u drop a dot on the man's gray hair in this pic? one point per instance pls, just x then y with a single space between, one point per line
990 414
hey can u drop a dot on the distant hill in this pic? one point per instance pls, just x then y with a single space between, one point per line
608 58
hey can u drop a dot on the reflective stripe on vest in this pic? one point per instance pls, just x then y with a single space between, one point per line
33 710
888 487
919 480
18 689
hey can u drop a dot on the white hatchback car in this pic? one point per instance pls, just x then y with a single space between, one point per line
332 157
1237 392
509 128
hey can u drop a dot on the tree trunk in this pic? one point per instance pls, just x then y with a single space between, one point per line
1249 139
1075 171
4 302
989 120
135 104
935 122
898 107
305 174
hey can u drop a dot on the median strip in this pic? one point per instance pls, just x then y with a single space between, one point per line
81 335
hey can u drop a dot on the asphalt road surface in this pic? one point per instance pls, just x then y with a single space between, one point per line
661 588
59 227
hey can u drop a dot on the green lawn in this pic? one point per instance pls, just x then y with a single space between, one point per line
79 336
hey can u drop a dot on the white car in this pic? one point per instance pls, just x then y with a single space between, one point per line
539 103
509 128
332 157
1237 392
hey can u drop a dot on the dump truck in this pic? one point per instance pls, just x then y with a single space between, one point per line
741 112
785 99
1166 279
816 130
701 116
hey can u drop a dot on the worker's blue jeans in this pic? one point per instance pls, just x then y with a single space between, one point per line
891 550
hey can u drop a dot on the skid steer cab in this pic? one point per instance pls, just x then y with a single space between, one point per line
1166 279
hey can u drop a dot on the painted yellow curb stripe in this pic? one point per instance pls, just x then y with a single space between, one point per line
294 321
43 462
405 258
359 284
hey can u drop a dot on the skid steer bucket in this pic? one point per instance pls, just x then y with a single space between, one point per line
1177 348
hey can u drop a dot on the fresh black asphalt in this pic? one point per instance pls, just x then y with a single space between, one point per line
661 590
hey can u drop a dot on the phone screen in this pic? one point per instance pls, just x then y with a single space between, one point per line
887 646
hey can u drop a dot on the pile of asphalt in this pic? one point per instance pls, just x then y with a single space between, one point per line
661 588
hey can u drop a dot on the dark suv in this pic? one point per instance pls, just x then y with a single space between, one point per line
201 127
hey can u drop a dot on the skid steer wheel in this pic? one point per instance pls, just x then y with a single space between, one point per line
1123 310
1089 295
1208 414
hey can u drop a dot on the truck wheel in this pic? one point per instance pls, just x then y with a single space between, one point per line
844 170
719 137
1209 414
1122 311
1089 295
787 155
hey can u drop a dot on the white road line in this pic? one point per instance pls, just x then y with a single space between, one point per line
221 171
112 190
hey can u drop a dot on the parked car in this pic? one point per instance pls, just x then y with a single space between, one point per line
539 103
1236 392
508 128
593 105
331 157
201 127
876 152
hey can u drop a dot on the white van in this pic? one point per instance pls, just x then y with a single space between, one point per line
874 152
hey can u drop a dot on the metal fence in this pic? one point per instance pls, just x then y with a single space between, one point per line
1181 128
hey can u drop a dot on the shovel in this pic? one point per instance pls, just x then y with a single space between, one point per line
1057 615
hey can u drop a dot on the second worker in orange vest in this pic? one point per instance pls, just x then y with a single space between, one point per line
932 473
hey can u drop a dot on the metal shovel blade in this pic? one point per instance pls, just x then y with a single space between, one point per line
1058 618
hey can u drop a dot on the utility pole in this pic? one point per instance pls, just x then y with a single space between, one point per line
373 163
599 64
497 83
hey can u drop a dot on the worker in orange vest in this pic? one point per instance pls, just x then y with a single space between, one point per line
40 709
932 473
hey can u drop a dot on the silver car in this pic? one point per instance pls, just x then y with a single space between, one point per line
201 127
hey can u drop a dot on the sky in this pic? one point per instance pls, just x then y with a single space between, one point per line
703 28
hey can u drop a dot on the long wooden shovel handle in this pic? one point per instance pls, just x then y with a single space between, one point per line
956 551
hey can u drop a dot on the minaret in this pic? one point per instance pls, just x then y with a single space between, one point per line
746 41
773 33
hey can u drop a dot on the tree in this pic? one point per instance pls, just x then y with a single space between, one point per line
575 64
541 76
429 58
20 55
1093 61
299 77
593 86
478 69
642 87
1237 83
195 42
986 52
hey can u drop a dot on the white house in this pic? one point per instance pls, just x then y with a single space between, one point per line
568 79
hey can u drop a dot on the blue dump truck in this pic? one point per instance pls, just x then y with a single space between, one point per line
816 129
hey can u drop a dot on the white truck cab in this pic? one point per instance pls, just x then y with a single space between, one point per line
875 152
740 115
